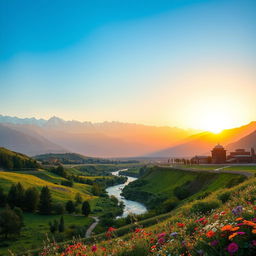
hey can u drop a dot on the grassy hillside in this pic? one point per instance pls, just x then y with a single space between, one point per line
222 224
59 192
161 184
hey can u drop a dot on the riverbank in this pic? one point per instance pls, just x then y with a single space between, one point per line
130 207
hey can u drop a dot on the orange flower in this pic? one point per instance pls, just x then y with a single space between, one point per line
238 219
249 223
232 236
210 234
226 228
254 231
234 229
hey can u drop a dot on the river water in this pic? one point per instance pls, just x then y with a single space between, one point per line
129 206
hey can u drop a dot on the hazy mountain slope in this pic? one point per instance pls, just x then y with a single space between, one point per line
27 144
246 142
203 143
107 139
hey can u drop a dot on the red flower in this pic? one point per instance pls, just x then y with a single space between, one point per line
180 225
210 234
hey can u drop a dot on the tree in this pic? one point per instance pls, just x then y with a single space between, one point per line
78 198
86 209
3 198
45 203
61 225
12 196
53 226
70 206
31 199
58 208
96 189
10 222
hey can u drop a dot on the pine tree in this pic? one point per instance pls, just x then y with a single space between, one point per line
70 206
31 199
86 209
20 195
61 225
45 203
12 196
3 198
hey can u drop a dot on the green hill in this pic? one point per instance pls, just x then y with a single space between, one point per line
13 160
162 185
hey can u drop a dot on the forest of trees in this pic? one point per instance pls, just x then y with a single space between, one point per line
11 160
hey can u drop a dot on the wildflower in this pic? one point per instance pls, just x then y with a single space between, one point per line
161 235
111 229
254 231
232 247
253 242
226 228
94 248
161 240
180 225
214 242
238 219
237 210
210 234
232 236
174 234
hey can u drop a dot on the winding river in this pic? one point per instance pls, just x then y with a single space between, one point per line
129 206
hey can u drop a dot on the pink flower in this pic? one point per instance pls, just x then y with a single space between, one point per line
232 247
94 248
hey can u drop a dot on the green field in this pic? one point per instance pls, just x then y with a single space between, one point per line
36 231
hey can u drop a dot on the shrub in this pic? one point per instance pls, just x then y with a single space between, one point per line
170 204
58 208
204 207
181 192
224 197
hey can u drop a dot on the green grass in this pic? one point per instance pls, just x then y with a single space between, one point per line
246 168
36 228
59 192
160 182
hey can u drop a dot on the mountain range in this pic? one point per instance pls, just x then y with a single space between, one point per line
33 136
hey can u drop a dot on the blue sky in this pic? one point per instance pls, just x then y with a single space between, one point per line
135 61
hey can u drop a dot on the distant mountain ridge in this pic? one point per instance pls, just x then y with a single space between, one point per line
106 139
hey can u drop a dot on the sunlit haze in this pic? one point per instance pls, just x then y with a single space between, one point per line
183 63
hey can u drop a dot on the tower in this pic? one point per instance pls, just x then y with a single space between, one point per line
218 155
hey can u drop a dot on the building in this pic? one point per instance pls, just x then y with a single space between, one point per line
201 160
219 155
241 156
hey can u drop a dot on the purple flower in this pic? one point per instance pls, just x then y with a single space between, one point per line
214 242
237 210
161 240
253 242
232 247
174 234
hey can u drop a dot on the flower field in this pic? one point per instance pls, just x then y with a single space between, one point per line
194 229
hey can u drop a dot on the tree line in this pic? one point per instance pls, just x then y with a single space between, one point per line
9 161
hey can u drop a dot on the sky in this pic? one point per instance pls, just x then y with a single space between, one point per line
185 63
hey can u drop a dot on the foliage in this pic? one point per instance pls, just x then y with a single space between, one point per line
45 204
10 222
70 206
86 209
